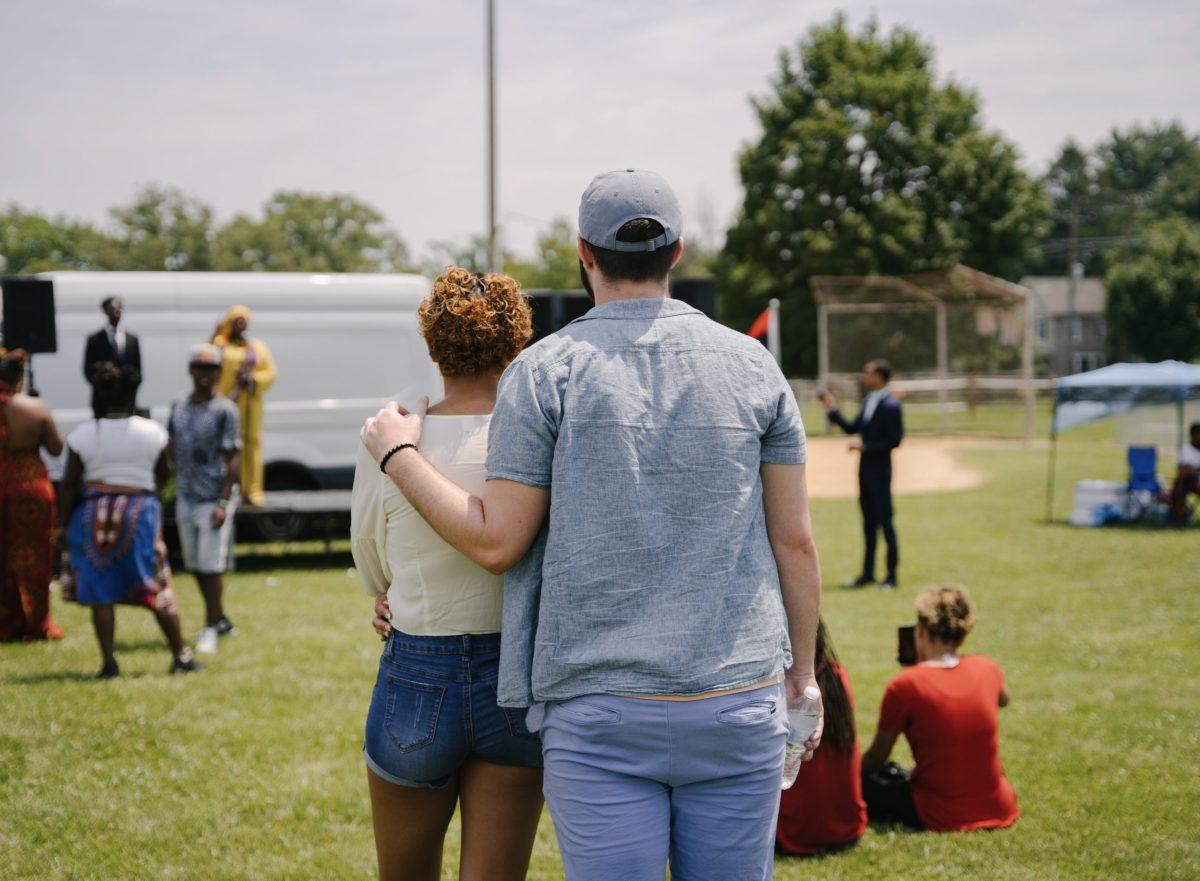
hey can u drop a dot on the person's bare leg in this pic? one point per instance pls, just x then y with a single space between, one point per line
212 586
169 623
410 825
501 807
104 619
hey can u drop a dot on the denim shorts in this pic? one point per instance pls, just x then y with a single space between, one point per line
434 705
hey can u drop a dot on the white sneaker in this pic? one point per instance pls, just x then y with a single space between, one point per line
207 643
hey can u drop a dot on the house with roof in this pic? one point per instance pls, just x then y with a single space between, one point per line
1070 331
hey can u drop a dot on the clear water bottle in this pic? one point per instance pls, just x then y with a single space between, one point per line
802 722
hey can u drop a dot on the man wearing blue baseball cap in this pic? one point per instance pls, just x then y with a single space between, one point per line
646 500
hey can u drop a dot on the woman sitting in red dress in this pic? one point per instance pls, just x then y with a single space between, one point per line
26 507
947 705
824 809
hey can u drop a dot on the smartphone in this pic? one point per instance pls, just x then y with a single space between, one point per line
906 645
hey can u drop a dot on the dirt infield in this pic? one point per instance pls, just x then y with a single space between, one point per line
920 465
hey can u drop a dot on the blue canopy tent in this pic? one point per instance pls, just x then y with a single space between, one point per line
1115 390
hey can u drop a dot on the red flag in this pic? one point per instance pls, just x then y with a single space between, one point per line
758 329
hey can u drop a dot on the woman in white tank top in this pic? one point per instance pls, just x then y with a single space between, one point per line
112 519
435 734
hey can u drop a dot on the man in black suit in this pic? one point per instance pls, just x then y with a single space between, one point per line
109 345
880 424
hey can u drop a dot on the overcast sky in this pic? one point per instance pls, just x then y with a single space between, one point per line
385 100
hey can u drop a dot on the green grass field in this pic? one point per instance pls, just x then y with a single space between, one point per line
251 769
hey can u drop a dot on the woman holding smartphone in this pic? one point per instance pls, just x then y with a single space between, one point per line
947 705
435 736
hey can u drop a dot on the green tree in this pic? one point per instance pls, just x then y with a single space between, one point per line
1156 169
867 164
31 242
1153 301
472 255
1104 196
1073 187
163 229
311 232
697 260
555 264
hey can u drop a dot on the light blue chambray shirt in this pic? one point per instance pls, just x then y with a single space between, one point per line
648 422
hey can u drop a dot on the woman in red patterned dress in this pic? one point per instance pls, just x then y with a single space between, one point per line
26 507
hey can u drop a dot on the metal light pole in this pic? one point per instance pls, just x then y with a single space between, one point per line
491 135
773 340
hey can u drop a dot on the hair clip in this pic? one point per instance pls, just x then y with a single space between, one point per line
478 285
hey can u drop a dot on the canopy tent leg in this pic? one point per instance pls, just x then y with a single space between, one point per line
823 356
943 366
1050 471
1027 375
1182 439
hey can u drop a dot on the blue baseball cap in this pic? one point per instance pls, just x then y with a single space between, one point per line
614 198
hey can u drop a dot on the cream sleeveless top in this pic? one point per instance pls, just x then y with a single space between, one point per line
432 589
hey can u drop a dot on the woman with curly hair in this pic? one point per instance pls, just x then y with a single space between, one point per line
435 735
26 507
947 705
113 528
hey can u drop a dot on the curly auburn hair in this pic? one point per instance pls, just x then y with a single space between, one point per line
474 322
946 612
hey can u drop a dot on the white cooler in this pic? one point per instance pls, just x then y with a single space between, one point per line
1093 495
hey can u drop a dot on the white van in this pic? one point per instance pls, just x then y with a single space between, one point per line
343 344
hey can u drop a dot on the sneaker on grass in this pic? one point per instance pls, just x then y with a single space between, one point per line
110 670
225 627
185 662
206 644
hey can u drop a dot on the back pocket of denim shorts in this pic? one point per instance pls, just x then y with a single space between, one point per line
515 719
749 712
412 713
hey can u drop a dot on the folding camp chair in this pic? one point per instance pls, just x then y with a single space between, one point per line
1145 489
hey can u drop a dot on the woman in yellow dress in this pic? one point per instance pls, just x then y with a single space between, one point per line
247 371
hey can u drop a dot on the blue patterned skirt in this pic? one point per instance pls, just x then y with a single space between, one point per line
116 552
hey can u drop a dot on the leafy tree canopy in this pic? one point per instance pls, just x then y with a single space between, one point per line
163 229
1105 196
472 255
1153 300
312 232
31 242
868 164
555 264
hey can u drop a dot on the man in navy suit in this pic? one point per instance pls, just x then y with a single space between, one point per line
109 345
880 424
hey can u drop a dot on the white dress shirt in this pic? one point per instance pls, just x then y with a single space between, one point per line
871 402
116 338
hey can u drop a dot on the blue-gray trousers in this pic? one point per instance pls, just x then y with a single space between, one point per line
633 783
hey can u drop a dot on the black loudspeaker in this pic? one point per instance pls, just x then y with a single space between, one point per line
29 315
543 314
553 310
699 293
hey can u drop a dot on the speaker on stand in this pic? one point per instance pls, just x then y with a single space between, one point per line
698 292
29 318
